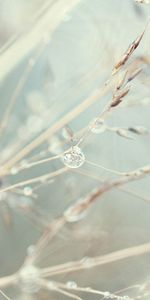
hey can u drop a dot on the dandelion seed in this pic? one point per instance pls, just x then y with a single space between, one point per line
73 158
117 99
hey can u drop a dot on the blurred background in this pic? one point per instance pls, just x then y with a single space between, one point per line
54 55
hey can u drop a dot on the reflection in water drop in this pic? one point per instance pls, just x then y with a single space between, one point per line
74 157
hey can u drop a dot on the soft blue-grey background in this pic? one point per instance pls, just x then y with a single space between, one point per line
76 61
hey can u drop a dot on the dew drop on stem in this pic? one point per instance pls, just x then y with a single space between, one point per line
29 279
27 191
71 285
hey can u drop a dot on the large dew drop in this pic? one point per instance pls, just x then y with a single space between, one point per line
74 158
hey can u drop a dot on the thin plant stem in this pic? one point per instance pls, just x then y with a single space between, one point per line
41 178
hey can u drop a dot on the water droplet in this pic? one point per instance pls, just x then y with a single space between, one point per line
14 170
74 157
31 250
97 126
27 191
75 212
74 217
71 285
87 261
29 279
107 295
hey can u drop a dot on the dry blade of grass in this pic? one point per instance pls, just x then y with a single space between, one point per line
75 266
42 178
80 207
117 99
58 286
129 52
101 179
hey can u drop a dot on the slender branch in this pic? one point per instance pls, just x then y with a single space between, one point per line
54 128
80 207
8 280
92 262
41 178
